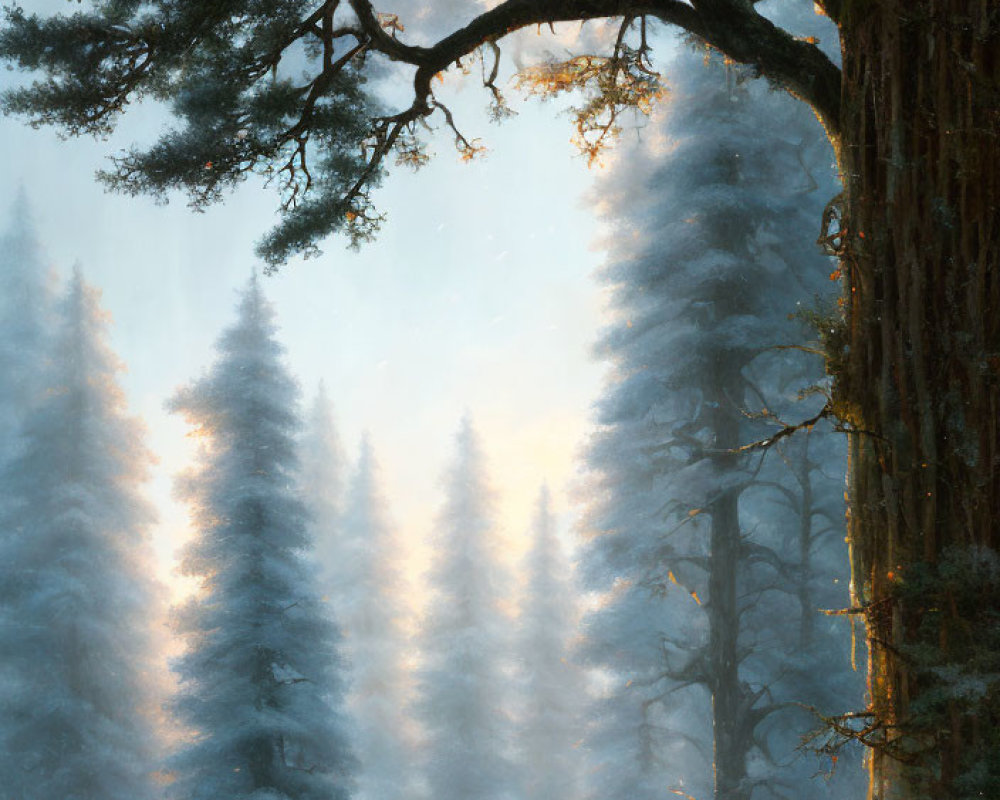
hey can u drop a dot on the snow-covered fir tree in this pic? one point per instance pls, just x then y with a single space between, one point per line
708 557
364 593
548 731
464 678
25 317
76 600
375 641
322 482
261 683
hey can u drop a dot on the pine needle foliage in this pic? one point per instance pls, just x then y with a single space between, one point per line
76 655
260 683
232 77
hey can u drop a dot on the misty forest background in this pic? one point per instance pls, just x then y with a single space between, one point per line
673 635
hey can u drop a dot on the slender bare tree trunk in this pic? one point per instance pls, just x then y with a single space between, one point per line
730 728
918 368
804 591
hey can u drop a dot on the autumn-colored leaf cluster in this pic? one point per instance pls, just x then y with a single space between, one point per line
611 84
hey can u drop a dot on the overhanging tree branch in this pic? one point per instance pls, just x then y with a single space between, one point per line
731 26
328 139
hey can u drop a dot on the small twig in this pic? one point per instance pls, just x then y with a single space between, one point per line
812 350
841 612
787 430
499 109
468 149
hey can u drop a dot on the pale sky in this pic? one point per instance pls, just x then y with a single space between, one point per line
478 296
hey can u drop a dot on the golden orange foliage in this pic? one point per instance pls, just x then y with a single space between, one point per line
611 84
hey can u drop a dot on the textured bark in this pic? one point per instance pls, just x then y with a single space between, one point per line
919 378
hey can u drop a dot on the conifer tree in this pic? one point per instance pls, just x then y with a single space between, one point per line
323 468
25 316
375 642
462 682
548 731
75 596
706 577
260 683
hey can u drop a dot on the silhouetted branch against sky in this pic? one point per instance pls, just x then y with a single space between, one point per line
270 89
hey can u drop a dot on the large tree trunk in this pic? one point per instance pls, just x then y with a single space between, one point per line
918 376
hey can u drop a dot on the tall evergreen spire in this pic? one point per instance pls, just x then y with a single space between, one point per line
713 560
26 310
260 683
373 616
75 598
323 478
462 687
549 729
